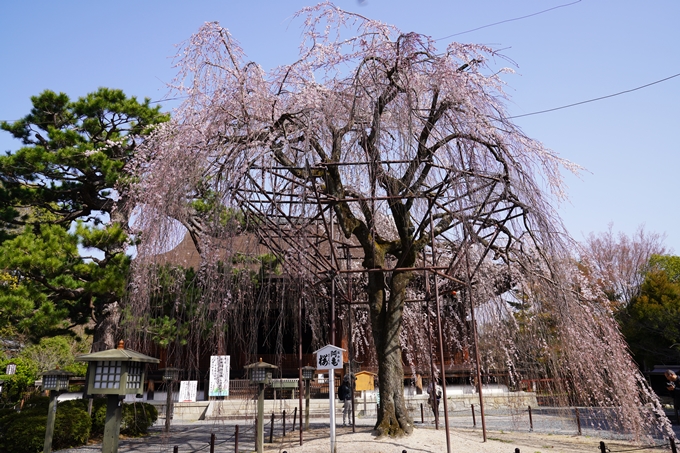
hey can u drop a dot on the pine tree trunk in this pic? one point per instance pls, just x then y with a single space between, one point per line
106 327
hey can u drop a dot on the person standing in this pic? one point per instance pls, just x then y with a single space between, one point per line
673 387
434 390
345 395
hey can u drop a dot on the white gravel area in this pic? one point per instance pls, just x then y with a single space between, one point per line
431 440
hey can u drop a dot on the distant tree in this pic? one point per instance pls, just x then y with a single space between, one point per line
618 262
63 215
670 264
57 352
651 321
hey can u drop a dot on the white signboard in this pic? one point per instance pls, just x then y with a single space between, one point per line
329 358
11 369
219 375
187 391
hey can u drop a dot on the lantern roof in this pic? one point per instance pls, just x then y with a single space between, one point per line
118 354
57 372
260 364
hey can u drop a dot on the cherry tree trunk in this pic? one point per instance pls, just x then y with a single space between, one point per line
386 321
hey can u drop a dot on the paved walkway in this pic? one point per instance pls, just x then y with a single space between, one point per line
195 437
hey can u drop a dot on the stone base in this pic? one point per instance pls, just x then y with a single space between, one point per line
318 408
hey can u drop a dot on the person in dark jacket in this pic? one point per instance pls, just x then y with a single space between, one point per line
673 387
435 391
345 395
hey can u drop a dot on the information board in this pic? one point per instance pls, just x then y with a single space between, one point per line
187 391
219 375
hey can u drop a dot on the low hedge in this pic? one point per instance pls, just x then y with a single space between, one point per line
24 432
136 420
71 426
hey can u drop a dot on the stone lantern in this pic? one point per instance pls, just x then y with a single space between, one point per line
307 375
261 375
54 381
170 376
115 373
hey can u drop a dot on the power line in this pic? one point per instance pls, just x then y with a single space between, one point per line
596 99
515 116
168 99
509 20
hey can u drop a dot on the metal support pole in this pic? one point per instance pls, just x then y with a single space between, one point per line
422 414
331 372
284 423
603 447
307 394
299 362
51 415
332 280
474 420
259 439
294 418
349 339
236 439
578 420
433 382
114 411
212 442
441 341
478 362
531 420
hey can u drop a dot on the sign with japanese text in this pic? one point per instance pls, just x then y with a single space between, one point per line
219 375
187 391
329 358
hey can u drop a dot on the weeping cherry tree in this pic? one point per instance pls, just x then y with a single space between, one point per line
407 148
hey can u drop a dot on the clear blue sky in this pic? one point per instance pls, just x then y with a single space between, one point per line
573 53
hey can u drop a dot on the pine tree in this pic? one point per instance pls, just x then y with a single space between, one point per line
62 213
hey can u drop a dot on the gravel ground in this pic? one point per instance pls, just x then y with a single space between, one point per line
504 435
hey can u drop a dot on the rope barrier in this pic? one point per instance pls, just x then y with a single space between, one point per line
664 446
593 418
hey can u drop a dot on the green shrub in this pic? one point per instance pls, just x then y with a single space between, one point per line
98 417
6 411
72 425
24 432
6 416
136 418
37 403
